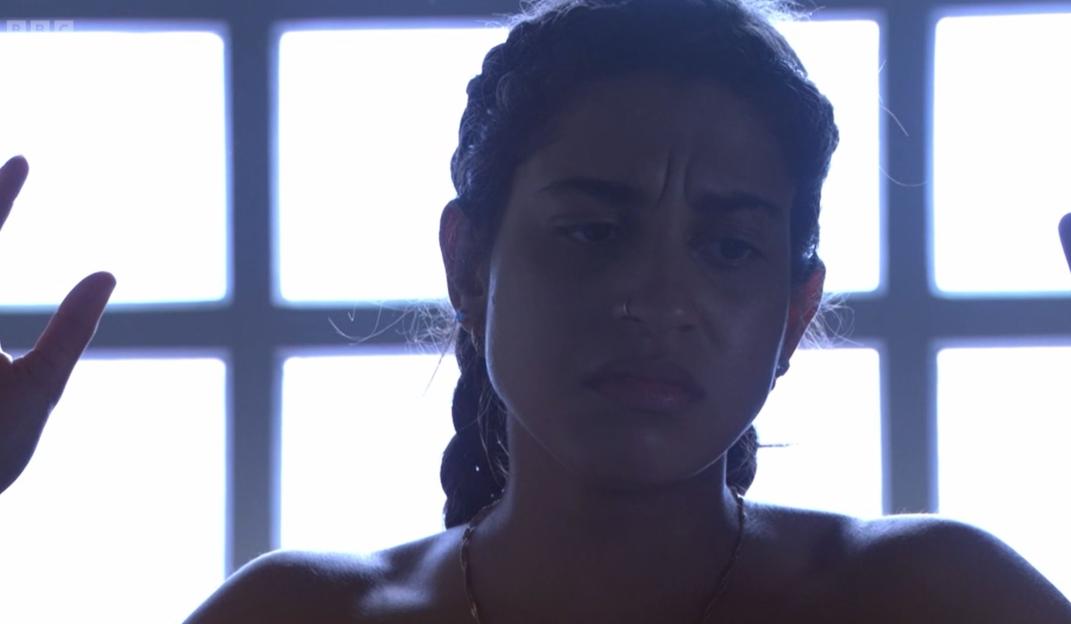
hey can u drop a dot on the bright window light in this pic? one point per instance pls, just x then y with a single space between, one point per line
1002 150
1002 435
842 59
827 409
125 136
368 122
120 517
362 445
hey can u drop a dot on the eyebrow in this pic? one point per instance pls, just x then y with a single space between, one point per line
710 202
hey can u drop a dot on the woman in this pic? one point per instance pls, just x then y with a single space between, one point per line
632 258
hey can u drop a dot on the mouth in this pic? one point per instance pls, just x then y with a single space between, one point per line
644 393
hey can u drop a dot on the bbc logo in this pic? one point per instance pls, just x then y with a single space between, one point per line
40 25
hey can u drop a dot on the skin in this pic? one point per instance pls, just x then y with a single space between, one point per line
620 493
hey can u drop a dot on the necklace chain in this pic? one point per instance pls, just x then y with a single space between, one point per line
723 579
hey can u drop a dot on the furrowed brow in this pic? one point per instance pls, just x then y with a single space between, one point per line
709 203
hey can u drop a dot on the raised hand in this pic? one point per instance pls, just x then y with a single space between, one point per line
31 386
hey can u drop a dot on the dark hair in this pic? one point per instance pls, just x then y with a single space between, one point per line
556 46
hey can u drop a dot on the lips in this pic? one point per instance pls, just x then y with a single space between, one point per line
653 384
651 370
648 395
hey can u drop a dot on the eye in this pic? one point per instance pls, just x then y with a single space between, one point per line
732 251
589 228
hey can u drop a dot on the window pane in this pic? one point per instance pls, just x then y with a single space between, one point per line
368 123
1002 439
1002 150
121 514
124 132
364 155
842 60
827 408
362 445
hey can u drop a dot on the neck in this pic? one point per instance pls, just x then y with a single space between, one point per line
628 549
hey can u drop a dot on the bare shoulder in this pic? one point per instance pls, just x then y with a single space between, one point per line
421 582
295 586
827 567
922 567
814 566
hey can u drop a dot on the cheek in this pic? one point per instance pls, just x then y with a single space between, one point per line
749 357
744 327
526 334
535 296
750 325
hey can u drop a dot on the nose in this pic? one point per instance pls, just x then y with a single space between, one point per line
661 299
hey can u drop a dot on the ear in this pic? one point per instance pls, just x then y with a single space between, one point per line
467 284
801 310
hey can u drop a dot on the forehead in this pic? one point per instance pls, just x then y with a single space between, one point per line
631 127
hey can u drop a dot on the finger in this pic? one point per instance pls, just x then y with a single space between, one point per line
1065 237
12 176
68 333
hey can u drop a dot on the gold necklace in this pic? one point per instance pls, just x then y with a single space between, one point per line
723 579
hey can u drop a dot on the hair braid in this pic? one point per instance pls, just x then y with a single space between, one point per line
472 473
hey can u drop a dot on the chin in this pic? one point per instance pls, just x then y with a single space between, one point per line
630 462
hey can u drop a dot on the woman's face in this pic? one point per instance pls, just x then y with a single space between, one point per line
641 161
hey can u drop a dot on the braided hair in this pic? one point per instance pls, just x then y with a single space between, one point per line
556 46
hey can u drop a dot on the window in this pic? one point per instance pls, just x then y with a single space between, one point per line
362 442
1000 157
124 497
1001 152
823 422
356 133
125 135
1003 433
